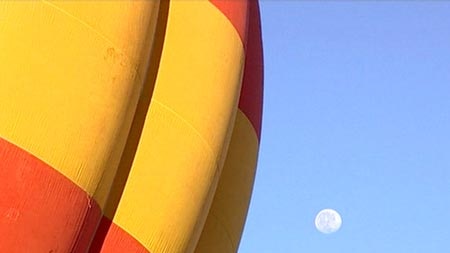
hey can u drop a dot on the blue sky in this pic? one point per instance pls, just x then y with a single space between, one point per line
356 118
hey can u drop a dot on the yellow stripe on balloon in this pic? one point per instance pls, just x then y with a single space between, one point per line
70 76
186 133
226 218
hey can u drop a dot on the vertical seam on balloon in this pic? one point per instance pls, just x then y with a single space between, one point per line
227 232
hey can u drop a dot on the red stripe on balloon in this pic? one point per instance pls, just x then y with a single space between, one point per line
111 238
237 12
40 209
252 85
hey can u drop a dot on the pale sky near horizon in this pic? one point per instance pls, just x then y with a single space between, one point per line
356 118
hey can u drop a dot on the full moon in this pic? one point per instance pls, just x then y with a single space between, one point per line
328 221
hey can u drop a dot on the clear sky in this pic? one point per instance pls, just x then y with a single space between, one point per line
356 118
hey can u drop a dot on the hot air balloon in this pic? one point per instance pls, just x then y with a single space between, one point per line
128 126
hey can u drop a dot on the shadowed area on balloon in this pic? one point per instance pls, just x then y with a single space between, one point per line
136 127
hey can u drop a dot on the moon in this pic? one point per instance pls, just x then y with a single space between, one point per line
328 221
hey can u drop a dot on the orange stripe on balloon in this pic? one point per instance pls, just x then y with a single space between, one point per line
117 241
252 85
236 12
40 209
